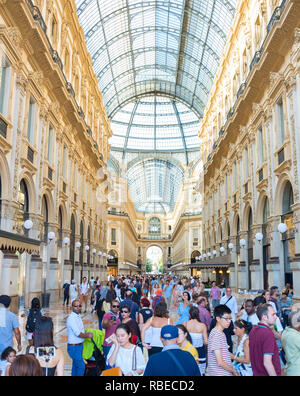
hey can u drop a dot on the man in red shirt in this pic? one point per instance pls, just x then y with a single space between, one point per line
264 353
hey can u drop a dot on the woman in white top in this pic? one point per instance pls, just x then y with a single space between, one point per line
198 333
241 357
125 355
73 291
84 292
156 323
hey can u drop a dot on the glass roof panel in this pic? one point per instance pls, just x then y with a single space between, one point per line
157 45
156 123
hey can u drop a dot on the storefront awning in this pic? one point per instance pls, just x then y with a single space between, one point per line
18 243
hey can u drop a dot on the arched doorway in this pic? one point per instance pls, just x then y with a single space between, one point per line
154 260
288 238
195 254
112 264
45 215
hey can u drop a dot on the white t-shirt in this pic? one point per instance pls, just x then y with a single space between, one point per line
254 320
84 287
124 359
231 304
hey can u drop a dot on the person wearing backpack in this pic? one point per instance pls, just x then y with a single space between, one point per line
33 315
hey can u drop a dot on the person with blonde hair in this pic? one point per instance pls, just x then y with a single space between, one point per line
291 344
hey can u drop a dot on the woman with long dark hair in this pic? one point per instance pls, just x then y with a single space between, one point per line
33 316
52 363
198 332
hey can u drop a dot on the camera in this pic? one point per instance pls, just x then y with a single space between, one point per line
45 352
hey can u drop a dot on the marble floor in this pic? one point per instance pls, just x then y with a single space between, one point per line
59 315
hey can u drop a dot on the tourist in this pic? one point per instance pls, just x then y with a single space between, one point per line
33 316
219 358
110 323
158 298
184 308
66 288
198 333
131 323
156 323
241 356
134 308
204 313
291 344
231 303
76 335
25 366
144 314
9 325
171 361
264 353
84 292
286 304
7 358
98 306
184 341
124 354
248 313
53 364
73 291
168 293
215 293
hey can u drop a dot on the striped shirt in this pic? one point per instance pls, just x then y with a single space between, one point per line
217 340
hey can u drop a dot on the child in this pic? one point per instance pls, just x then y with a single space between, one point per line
7 357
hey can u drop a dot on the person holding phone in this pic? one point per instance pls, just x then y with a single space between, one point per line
110 323
50 358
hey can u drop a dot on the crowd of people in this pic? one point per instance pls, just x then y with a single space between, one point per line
146 320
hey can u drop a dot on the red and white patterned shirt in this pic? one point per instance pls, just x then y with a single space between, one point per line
217 340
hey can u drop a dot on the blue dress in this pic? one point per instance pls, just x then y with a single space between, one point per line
184 314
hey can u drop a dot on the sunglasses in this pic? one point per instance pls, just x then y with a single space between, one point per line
122 311
116 306
77 306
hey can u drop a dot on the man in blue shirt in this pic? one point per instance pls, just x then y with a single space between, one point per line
9 325
171 361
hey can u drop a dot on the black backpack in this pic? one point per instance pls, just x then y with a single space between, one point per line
33 318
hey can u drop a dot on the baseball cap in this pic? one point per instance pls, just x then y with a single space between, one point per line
169 332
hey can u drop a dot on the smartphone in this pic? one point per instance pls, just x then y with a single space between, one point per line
46 352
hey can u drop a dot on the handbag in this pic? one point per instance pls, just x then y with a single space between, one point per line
113 372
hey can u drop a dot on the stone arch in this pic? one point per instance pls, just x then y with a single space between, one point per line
260 207
247 211
64 212
50 205
219 234
28 180
226 229
236 224
280 187
5 177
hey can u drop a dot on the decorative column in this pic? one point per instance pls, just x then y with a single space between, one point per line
77 265
256 267
242 269
276 260
35 279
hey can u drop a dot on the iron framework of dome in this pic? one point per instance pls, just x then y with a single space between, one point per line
155 47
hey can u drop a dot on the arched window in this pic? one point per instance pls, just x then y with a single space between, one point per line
81 241
154 226
288 198
72 243
23 197
266 211
45 215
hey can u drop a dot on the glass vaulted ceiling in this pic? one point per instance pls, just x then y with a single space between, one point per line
167 47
